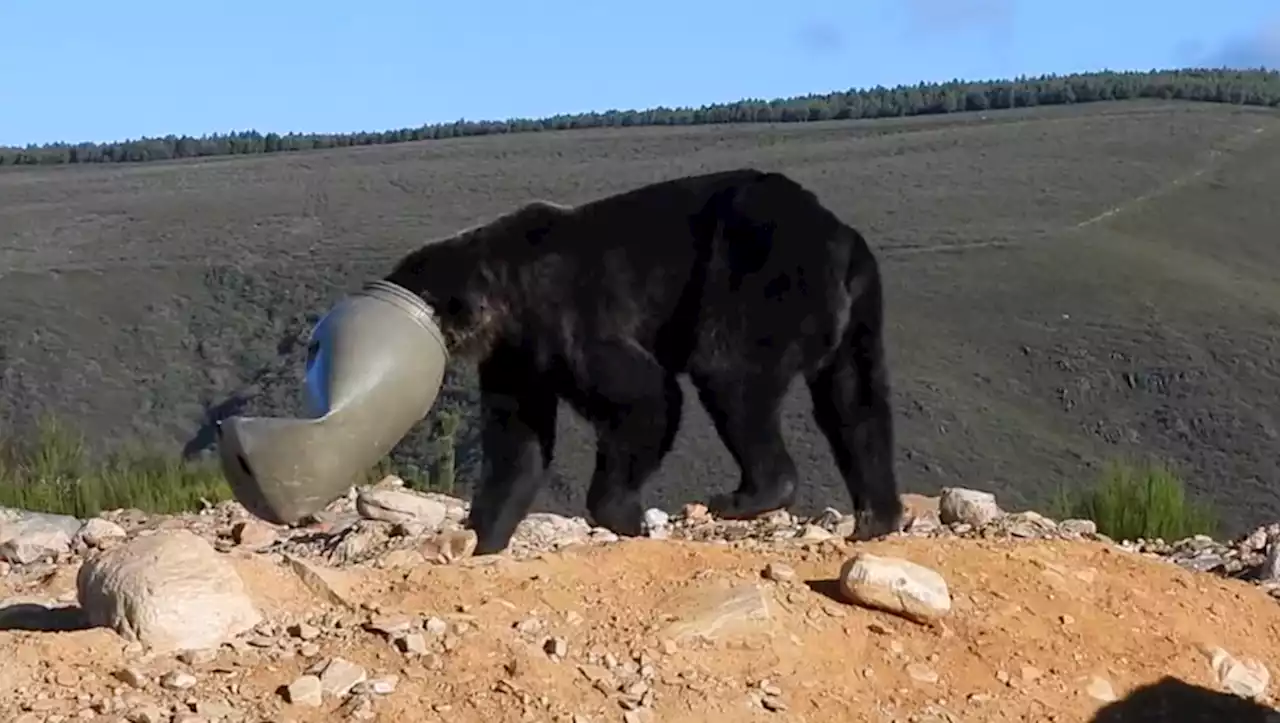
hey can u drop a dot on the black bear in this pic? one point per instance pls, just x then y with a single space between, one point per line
742 279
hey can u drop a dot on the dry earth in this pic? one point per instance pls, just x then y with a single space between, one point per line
708 621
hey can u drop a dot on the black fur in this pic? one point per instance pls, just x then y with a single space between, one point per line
742 279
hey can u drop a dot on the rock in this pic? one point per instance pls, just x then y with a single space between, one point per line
390 625
1082 528
385 685
779 572
895 585
332 585
1270 570
400 506
304 631
1029 524
178 680
214 710
655 520
340 676
412 644
549 531
168 591
556 647
713 614
305 691
1100 689
132 677
696 512
922 673
1245 678
27 537
149 713
448 547
198 657
919 512
253 534
966 506
816 533
98 532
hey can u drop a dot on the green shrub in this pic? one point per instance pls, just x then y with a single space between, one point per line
53 473
1138 501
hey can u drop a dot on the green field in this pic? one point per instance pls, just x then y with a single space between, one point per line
1066 284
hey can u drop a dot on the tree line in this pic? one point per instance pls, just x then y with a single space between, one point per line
1260 87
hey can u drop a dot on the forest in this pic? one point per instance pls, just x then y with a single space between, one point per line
1260 87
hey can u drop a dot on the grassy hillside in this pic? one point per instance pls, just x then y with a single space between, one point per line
1066 284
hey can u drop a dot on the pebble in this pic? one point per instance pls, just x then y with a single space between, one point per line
305 691
340 676
412 644
253 534
779 572
385 685
178 680
922 673
1100 689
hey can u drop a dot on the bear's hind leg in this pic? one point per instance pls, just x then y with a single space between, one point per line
746 410
518 408
851 405
635 405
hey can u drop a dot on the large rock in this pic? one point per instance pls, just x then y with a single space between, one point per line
895 585
970 507
400 506
27 537
169 591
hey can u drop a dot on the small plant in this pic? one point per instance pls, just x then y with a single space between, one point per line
53 473
446 461
1138 501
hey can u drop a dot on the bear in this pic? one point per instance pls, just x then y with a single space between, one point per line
741 279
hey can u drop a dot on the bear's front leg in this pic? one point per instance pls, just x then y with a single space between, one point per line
518 414
634 404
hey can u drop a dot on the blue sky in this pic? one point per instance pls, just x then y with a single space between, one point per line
85 70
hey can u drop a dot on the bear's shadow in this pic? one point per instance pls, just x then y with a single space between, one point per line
41 618
1170 700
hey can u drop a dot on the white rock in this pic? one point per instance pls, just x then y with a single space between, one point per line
1246 678
655 518
547 530
1270 571
168 591
98 532
305 691
27 537
971 507
178 680
340 676
1084 528
397 505
895 585
1100 689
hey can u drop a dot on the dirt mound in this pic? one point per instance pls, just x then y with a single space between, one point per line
584 627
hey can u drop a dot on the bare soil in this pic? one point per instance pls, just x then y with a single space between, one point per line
1033 624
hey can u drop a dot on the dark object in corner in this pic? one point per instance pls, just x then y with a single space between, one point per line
1170 700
